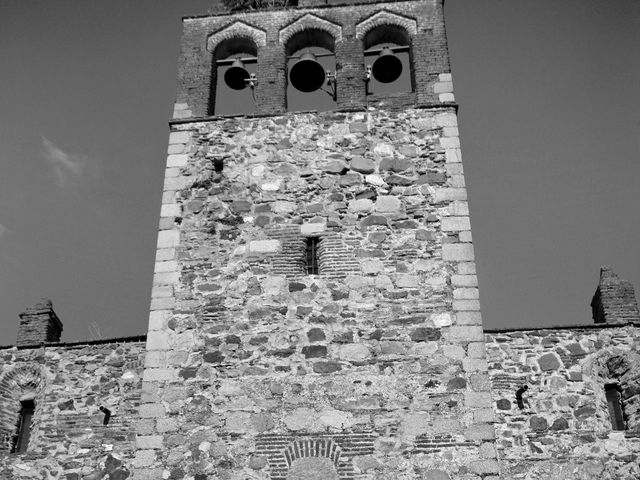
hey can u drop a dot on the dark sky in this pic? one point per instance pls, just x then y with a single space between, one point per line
550 130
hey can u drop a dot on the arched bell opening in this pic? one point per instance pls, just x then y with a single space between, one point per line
234 77
387 57
311 66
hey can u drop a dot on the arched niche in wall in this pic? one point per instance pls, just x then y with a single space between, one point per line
20 395
311 63
617 383
233 77
386 40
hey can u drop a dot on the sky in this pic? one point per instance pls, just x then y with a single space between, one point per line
549 123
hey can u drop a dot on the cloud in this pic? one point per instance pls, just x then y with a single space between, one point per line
66 166
3 230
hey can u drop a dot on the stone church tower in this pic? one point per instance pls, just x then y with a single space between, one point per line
315 309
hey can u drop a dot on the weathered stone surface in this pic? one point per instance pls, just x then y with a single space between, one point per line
548 362
362 165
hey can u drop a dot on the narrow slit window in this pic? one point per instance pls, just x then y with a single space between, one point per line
614 404
312 255
23 430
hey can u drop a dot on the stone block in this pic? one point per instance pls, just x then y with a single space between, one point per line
161 292
466 305
355 352
168 238
454 169
446 97
464 280
487 415
442 319
483 467
170 210
457 252
407 281
476 350
175 148
471 365
172 172
160 375
169 266
466 293
158 319
151 410
446 119
164 425
157 340
454 224
264 246
312 228
387 203
467 333
465 236
479 400
449 194
163 303
362 165
443 87
372 266
445 77
468 318
177 160
455 352
149 442
457 181
360 205
466 268
179 137
147 474
167 278
450 132
453 155
165 254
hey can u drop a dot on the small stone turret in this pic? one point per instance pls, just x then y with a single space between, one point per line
39 324
614 300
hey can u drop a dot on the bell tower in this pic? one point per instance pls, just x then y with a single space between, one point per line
315 309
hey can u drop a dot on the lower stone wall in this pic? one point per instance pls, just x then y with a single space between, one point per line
68 384
564 430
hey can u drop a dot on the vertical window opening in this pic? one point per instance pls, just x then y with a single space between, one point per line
614 403
312 255
23 430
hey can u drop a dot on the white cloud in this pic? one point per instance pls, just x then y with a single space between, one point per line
3 230
65 166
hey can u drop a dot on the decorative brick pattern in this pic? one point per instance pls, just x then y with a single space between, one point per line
385 17
310 22
341 449
237 30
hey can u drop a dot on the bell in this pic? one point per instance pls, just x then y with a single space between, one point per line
236 75
387 67
307 75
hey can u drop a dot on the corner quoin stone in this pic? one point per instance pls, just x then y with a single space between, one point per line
457 252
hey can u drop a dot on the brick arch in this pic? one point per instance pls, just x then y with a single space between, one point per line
310 22
237 30
313 447
385 17
19 382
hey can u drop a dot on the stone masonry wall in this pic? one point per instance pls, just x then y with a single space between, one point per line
68 384
375 367
565 430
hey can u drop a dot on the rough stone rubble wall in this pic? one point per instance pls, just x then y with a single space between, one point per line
68 384
566 431
379 358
